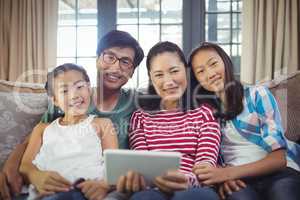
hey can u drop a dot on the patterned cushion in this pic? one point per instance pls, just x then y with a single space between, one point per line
19 112
286 90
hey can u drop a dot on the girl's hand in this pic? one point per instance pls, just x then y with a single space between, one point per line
209 175
132 182
171 181
230 186
93 189
48 182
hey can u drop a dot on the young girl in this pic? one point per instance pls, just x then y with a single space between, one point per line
165 124
64 159
260 162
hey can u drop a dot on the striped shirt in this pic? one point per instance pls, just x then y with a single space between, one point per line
194 133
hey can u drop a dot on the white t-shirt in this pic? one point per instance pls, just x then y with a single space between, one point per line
237 150
74 151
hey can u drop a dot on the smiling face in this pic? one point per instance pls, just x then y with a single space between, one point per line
72 93
209 69
168 76
114 75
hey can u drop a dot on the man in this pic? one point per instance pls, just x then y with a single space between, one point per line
118 54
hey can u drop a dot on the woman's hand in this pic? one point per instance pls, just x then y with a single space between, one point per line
93 190
171 181
228 187
209 175
48 182
132 182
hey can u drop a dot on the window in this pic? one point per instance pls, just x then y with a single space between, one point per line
77 34
149 22
186 23
223 25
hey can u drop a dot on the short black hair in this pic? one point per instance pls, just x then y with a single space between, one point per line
49 86
116 38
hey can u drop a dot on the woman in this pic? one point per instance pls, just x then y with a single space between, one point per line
166 124
253 146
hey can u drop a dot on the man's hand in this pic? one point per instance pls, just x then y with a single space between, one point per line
171 181
48 182
93 190
13 177
228 187
4 188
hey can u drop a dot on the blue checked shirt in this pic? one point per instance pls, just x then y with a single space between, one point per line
260 123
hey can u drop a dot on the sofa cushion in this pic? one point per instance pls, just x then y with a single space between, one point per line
9 86
21 107
286 90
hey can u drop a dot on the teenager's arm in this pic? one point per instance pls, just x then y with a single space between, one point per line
274 161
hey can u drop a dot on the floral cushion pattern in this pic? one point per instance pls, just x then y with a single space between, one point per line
286 90
19 112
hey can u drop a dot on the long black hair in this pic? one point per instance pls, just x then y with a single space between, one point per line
151 101
234 92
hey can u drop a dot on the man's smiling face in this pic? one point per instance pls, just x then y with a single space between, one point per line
114 75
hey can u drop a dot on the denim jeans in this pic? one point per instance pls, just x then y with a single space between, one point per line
203 193
75 195
281 185
71 195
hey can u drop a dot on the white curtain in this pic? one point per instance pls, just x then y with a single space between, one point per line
27 39
270 32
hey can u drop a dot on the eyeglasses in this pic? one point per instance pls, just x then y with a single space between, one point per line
124 62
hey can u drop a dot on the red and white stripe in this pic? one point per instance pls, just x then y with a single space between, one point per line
195 134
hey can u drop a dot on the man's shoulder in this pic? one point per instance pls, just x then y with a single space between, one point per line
129 91
51 114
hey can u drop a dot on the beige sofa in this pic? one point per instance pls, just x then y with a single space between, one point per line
21 107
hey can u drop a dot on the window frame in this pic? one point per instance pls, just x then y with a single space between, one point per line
193 24
192 33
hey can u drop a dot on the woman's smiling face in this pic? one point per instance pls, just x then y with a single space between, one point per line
168 75
209 69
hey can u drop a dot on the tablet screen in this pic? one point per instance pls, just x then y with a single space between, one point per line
148 163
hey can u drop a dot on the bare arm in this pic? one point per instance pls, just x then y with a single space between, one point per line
34 145
106 133
16 155
46 182
11 177
274 161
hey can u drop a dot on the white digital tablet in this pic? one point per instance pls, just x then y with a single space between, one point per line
148 163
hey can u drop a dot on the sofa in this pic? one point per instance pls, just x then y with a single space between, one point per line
22 105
